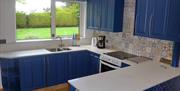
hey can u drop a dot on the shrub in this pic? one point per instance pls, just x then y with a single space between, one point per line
39 20
21 20
66 19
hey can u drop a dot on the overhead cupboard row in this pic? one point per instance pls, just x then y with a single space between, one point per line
153 18
158 19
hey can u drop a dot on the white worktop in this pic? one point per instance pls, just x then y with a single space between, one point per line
27 53
133 78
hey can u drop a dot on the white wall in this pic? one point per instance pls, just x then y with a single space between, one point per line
7 20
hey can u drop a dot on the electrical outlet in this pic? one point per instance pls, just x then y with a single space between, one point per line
2 41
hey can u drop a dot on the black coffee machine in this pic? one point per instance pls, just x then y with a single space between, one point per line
101 42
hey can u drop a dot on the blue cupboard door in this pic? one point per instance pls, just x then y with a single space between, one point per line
96 14
173 20
57 69
72 71
95 63
93 14
157 25
51 70
110 15
79 64
141 18
32 73
10 74
90 14
26 77
107 15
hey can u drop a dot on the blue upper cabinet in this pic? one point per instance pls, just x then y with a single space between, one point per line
141 18
173 20
93 14
158 19
105 15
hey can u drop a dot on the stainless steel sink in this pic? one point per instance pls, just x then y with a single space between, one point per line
58 49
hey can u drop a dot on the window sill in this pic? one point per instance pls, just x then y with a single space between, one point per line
44 40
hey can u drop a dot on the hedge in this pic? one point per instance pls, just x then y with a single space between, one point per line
39 20
66 19
35 20
21 20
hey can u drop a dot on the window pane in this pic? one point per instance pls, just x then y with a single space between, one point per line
33 19
67 18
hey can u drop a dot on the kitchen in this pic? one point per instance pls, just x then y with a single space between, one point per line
126 41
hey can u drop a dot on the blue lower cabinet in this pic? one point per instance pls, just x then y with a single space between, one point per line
72 88
32 73
79 64
95 63
57 69
9 73
170 85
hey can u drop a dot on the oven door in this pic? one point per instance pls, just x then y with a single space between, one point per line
105 66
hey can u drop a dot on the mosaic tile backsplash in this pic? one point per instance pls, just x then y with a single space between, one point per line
127 42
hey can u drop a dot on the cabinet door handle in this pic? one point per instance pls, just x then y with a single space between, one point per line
94 56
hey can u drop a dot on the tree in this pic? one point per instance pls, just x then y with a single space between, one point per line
21 1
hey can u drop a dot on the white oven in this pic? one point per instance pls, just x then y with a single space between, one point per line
108 64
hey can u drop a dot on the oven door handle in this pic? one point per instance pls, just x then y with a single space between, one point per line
112 66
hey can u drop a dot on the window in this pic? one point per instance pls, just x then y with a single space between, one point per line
67 18
34 19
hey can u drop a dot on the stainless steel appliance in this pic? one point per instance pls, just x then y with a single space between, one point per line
101 41
115 60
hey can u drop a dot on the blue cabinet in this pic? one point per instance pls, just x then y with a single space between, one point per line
32 73
57 68
170 85
93 14
141 17
79 64
29 73
158 19
105 15
95 63
10 74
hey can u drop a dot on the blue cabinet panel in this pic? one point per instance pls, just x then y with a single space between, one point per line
157 24
170 85
158 19
93 14
95 63
105 15
57 69
141 18
10 74
173 20
79 64
32 73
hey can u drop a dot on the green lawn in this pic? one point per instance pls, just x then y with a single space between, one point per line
43 33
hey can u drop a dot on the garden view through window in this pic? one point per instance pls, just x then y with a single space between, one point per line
33 19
